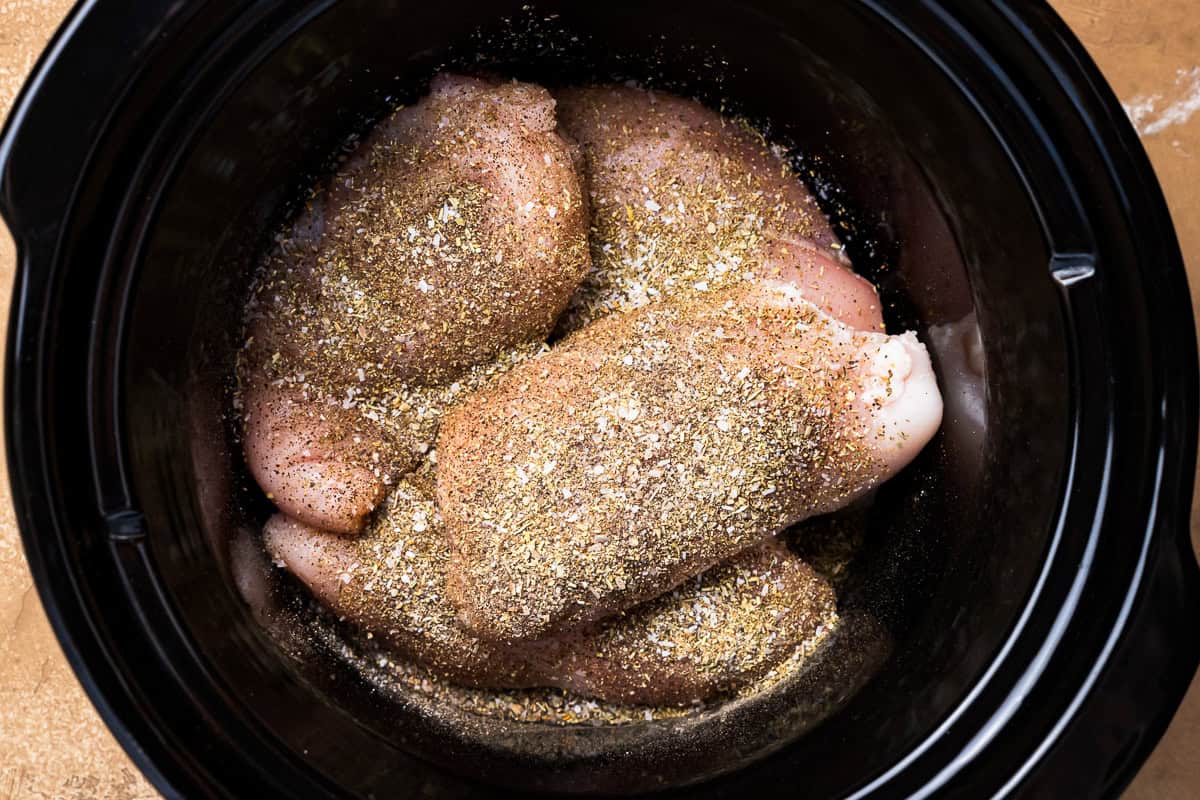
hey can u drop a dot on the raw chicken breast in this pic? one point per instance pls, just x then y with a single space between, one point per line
455 233
652 445
684 199
714 634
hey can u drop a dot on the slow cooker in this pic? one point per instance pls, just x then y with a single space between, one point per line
1031 573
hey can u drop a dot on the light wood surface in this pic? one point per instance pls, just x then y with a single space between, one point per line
53 745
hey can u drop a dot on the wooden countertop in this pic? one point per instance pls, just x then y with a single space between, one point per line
52 743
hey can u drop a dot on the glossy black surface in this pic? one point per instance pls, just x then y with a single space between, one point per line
1033 569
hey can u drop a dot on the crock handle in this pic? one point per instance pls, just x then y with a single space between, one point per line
46 144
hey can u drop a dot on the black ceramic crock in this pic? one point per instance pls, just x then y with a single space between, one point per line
1032 570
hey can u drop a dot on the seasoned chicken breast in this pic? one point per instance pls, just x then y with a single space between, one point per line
455 233
716 633
652 445
685 199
